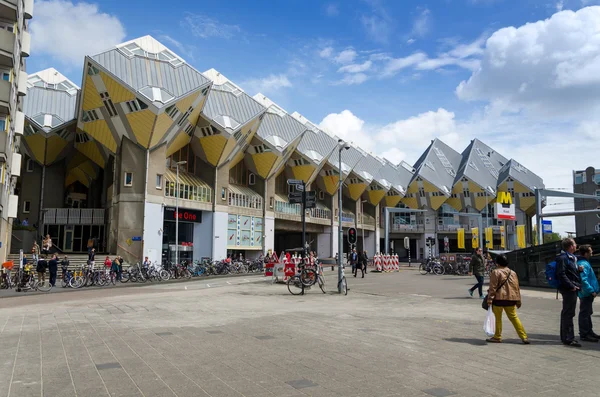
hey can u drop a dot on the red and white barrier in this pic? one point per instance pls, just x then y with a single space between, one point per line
377 261
396 263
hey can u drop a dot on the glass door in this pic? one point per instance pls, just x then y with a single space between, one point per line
68 240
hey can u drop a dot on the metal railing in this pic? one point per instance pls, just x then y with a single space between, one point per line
287 208
189 192
368 220
320 213
452 228
74 216
407 228
245 201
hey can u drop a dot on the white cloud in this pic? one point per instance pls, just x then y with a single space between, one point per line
559 5
67 31
378 29
348 127
326 52
410 41
422 24
395 65
205 27
356 68
394 155
346 56
353 79
268 84
557 59
332 10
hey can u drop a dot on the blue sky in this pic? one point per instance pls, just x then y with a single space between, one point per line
388 75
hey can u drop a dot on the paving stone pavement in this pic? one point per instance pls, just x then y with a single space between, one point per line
399 334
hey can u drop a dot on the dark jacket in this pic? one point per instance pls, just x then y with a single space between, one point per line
476 266
41 266
567 272
64 264
364 259
53 265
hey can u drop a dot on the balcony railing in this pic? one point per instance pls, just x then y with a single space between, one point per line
407 228
452 228
368 220
320 213
190 187
287 208
348 217
74 216
245 201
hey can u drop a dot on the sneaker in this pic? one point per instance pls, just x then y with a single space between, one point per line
589 339
526 341
573 343
493 340
470 292
594 335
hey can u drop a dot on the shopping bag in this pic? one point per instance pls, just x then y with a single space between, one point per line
489 326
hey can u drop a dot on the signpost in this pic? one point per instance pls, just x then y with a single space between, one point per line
407 247
547 226
299 196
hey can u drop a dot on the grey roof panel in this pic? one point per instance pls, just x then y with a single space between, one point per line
49 101
369 166
520 174
481 164
242 108
317 141
438 165
286 127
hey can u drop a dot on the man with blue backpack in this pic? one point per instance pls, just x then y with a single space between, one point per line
589 290
567 276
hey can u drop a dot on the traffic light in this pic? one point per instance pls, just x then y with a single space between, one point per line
352 236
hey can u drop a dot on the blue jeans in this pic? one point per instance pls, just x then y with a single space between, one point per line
478 286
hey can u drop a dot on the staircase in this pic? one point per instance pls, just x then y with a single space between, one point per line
75 260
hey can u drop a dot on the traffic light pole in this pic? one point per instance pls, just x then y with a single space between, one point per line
340 229
304 219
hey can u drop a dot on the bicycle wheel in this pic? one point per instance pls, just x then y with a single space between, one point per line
423 269
295 285
43 286
438 269
344 286
321 282
309 277
164 275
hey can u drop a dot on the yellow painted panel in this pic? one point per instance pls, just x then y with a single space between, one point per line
303 172
375 196
437 201
92 152
392 201
230 145
355 190
77 175
100 131
239 157
77 159
520 188
213 147
55 145
117 92
69 180
91 98
428 187
196 112
264 162
37 146
88 169
141 124
455 203
411 202
181 139
185 103
525 203
413 187
331 183
474 188
160 128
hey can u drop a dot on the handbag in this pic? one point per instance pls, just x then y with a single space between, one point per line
484 302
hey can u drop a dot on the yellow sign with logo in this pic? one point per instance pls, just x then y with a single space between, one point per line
505 209
129 241
475 237
460 235
521 236
489 237
502 238
504 198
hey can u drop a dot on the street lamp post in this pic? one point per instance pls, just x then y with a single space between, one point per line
177 164
362 222
342 146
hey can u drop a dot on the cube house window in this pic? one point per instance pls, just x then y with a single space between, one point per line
159 181
128 179
29 165
26 206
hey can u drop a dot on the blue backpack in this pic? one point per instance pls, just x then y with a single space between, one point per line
551 275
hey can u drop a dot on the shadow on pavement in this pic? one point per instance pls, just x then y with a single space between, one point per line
468 341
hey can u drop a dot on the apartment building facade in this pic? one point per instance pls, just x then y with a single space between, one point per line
587 182
15 44
147 133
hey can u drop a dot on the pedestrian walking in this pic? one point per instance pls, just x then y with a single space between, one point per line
120 267
115 268
92 259
353 261
365 263
589 290
567 274
477 268
53 268
504 295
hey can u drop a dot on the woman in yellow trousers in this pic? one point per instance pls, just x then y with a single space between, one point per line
504 295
